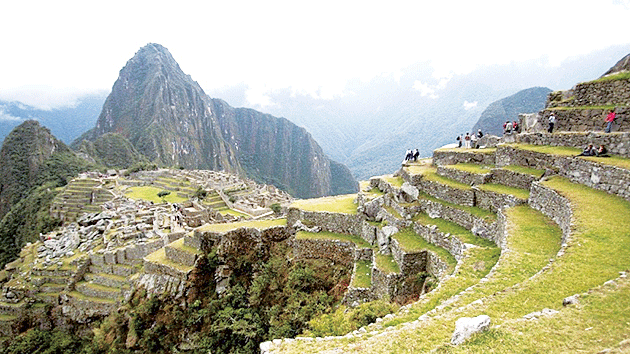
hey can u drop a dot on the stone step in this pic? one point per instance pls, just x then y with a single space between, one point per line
11 309
110 280
39 280
51 288
123 270
51 272
50 298
443 157
178 252
98 291
467 173
158 263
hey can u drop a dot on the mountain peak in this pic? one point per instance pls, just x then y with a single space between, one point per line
622 65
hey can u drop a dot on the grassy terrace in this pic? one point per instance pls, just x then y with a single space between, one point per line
410 241
258 224
386 263
362 275
159 257
524 170
179 244
149 193
325 235
394 181
614 160
502 189
472 168
452 228
597 251
478 212
336 204
429 173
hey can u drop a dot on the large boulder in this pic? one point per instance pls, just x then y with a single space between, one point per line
467 326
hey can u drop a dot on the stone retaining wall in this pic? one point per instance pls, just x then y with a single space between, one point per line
602 93
450 194
553 205
616 143
341 252
409 262
608 178
465 177
476 225
328 221
511 178
580 120
495 201
449 157
431 234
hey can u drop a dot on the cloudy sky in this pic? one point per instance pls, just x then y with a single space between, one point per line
52 51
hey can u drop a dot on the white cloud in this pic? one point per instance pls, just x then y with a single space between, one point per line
470 105
6 117
425 90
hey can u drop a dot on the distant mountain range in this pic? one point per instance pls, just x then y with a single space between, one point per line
530 100
66 123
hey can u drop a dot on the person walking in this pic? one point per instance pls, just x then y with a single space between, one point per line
552 122
610 118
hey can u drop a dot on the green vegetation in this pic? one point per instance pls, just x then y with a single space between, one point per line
258 224
618 76
411 242
525 170
570 151
336 204
503 189
386 263
150 193
345 320
452 228
472 168
325 235
394 181
362 275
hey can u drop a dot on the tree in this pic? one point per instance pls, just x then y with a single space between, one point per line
163 194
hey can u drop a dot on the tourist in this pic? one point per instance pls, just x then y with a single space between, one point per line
602 151
467 141
459 141
610 118
588 151
479 134
473 141
515 127
415 155
552 122
507 127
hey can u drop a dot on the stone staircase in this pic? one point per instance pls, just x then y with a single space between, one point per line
81 195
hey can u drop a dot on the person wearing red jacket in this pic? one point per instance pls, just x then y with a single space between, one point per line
610 118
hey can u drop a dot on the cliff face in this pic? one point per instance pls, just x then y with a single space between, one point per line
168 118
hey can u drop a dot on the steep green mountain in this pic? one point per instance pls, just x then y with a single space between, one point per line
507 109
33 163
111 150
168 118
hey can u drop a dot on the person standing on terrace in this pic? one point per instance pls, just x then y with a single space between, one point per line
610 118
552 122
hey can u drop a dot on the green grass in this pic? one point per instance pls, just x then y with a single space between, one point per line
258 224
386 263
614 77
503 189
149 193
410 241
394 181
472 168
363 275
433 176
325 235
524 170
337 204
80 296
452 228
179 244
159 257
234 213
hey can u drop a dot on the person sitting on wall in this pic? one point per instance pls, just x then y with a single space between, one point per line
588 151
479 134
602 151
507 127
515 127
